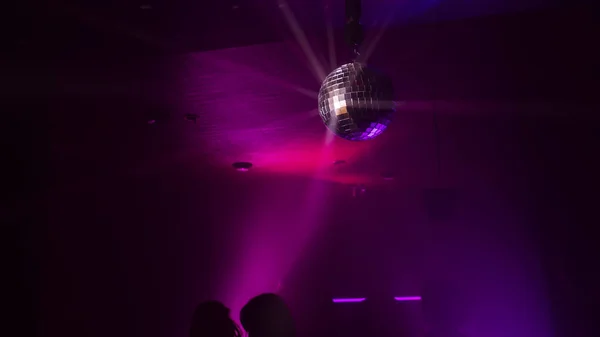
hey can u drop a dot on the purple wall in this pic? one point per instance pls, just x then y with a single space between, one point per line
132 255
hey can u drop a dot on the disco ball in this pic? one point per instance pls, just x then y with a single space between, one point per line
356 102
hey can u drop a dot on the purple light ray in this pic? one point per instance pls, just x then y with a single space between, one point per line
349 300
408 298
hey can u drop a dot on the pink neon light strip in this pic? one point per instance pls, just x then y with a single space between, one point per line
362 299
348 300
408 298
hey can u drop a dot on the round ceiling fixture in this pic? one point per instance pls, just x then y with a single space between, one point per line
242 166
356 102
191 118
388 176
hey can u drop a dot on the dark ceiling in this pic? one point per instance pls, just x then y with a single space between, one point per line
258 103
185 25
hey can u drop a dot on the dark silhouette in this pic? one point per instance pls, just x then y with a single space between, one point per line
267 315
211 319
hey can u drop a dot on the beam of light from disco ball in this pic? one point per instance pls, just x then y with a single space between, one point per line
374 41
235 67
356 102
300 36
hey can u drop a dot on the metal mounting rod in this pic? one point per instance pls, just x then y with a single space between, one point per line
354 30
353 10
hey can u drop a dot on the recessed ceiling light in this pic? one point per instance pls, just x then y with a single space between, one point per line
151 121
339 162
191 117
242 166
388 176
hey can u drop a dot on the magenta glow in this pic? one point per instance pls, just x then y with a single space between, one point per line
408 298
349 300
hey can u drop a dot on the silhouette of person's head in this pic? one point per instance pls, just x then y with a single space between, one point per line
267 315
211 319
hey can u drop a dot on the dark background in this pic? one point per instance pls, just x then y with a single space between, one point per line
107 233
